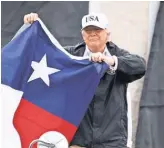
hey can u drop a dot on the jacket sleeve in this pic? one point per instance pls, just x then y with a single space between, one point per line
130 67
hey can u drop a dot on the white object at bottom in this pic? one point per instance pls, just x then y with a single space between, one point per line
53 137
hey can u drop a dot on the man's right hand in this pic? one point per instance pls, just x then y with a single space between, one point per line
30 18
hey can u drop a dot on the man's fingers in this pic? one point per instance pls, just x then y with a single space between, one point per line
30 18
100 58
93 58
35 16
96 57
26 19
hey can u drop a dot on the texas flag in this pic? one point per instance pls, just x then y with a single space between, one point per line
57 87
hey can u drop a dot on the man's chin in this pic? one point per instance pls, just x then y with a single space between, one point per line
94 44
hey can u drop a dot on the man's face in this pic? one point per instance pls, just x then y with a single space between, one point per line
94 37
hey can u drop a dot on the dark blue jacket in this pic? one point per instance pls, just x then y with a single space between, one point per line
105 122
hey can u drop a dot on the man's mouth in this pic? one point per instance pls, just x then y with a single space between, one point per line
93 39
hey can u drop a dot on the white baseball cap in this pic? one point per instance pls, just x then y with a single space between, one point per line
95 19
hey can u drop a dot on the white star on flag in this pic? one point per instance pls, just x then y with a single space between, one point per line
42 71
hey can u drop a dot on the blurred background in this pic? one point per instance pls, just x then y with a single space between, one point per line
135 26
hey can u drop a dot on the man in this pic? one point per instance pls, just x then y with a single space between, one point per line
105 122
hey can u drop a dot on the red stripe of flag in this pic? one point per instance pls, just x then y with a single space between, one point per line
32 121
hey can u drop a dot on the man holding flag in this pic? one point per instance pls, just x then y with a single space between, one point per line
105 122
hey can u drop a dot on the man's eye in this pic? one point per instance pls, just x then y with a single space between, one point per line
88 31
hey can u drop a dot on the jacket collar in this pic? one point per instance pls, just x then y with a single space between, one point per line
87 52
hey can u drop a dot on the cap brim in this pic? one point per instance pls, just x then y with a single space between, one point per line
94 24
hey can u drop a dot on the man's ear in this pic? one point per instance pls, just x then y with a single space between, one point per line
82 34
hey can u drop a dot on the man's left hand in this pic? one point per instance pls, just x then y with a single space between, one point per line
109 60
